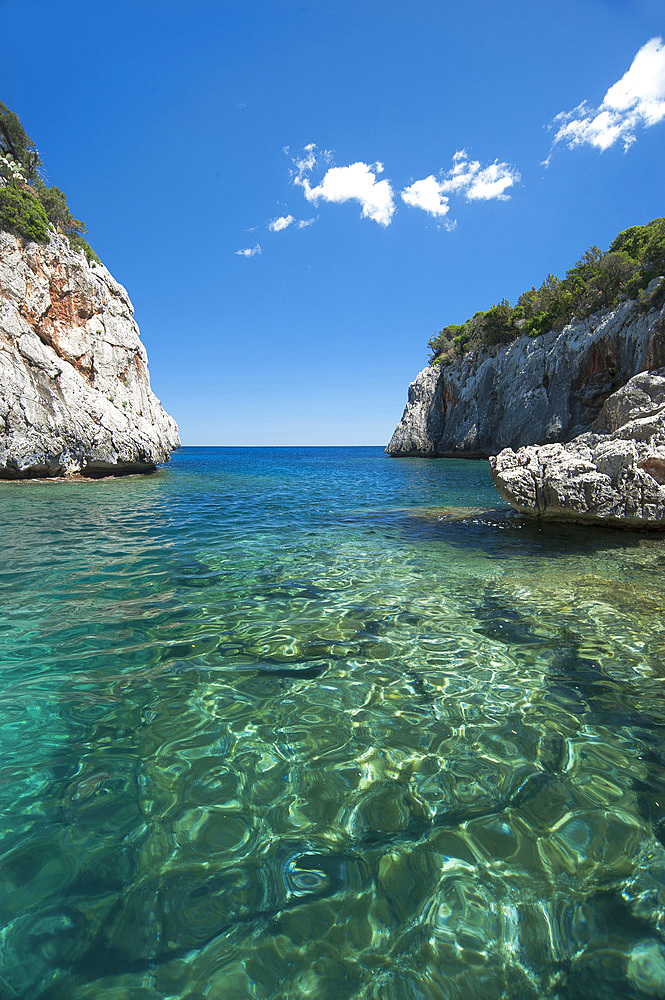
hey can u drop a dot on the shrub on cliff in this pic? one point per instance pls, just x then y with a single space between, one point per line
55 205
77 242
23 214
599 280
27 204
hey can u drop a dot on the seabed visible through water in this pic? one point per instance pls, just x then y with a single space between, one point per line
289 723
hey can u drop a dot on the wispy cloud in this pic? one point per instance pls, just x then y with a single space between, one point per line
467 178
284 221
478 183
635 101
280 223
356 182
249 251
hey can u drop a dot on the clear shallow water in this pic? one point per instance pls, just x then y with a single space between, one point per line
312 723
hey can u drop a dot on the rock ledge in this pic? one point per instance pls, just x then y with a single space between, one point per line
614 474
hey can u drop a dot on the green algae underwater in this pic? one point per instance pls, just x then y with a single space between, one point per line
289 723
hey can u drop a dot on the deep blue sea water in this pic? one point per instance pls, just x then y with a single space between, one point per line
289 723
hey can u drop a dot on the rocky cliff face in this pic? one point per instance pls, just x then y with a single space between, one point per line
74 386
541 389
614 474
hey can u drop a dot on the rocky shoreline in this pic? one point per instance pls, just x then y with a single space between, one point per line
573 421
612 475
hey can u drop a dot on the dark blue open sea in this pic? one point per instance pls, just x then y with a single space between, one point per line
314 723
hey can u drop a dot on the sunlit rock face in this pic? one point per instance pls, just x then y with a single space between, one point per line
542 389
614 474
75 393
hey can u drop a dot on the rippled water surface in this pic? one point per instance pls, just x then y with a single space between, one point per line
283 723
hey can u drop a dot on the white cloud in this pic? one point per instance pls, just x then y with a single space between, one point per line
428 195
478 183
304 223
635 101
466 177
249 252
357 182
280 223
491 182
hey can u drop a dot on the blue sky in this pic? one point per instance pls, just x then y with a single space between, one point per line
180 132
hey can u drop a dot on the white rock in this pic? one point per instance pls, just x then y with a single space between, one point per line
612 478
74 385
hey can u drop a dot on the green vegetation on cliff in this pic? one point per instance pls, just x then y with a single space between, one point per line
599 280
28 207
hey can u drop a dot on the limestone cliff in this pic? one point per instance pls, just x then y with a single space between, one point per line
543 389
75 392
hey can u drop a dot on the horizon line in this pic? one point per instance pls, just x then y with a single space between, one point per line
278 446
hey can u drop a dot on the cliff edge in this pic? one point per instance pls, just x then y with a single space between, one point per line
548 388
75 393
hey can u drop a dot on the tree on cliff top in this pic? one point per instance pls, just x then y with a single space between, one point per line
15 142
599 280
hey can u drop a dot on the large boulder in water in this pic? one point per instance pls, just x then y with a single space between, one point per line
614 474
75 392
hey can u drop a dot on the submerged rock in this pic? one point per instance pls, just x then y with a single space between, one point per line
615 474
75 393
536 389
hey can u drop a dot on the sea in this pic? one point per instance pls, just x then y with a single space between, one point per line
287 723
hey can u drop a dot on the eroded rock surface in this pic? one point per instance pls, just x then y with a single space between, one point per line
75 392
541 389
614 474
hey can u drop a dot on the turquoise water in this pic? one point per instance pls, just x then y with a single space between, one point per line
283 723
